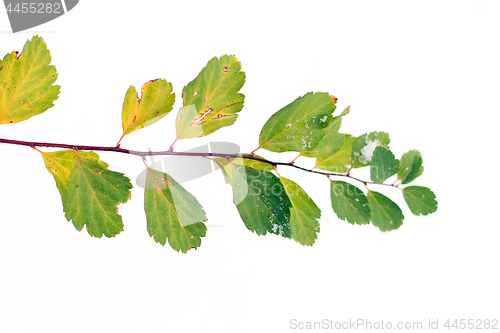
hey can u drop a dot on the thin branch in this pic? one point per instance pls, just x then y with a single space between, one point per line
293 161
176 153
171 148
121 138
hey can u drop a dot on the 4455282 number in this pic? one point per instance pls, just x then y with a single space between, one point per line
35 7
478 324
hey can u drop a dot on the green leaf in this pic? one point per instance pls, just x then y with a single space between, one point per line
155 103
332 140
60 163
299 126
26 82
349 203
420 200
384 165
339 160
346 111
411 166
211 101
304 225
386 215
363 147
260 198
416 170
173 213
254 164
93 195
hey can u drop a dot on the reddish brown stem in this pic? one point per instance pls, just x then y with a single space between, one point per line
173 153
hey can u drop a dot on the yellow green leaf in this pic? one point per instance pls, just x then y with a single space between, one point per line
211 101
93 195
254 164
155 103
26 82
339 159
304 213
60 163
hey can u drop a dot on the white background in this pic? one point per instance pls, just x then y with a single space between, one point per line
426 72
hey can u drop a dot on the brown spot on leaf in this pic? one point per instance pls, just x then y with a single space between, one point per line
98 171
224 68
195 93
135 118
206 99
335 99
1 67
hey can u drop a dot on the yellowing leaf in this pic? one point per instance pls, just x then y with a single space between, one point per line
211 101
26 82
155 103
60 163
338 160
254 164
